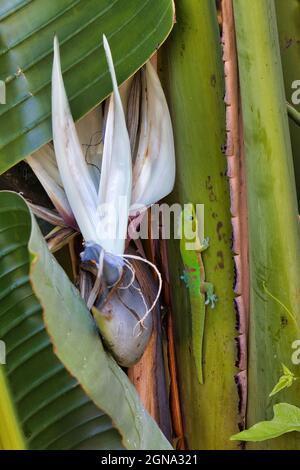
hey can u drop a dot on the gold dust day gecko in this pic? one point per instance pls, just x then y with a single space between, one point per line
201 293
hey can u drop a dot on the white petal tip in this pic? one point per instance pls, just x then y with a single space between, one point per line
55 45
56 58
110 63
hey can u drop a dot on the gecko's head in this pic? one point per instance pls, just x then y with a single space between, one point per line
189 222
188 212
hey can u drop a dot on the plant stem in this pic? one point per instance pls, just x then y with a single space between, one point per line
293 114
192 73
11 436
274 249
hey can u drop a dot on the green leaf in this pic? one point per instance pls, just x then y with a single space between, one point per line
286 419
134 28
287 371
42 405
285 381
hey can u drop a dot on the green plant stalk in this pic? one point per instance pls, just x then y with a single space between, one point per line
11 436
274 251
288 20
192 74
293 114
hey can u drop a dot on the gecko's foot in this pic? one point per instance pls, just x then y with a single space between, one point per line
185 278
205 243
211 299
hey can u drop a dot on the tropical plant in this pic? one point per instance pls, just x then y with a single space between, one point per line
112 343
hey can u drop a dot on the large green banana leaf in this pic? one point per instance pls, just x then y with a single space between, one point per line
135 28
59 388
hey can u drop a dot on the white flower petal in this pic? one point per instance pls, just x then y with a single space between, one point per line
154 167
115 182
44 165
89 131
78 184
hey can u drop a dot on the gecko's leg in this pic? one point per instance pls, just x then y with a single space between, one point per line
210 296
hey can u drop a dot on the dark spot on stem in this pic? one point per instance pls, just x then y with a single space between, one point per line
223 148
220 255
283 321
219 228
288 43
210 188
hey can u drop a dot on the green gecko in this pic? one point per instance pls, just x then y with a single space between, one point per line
201 293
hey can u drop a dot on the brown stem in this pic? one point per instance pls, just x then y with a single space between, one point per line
148 375
176 414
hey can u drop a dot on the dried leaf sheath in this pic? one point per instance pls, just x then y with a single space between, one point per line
175 405
238 208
